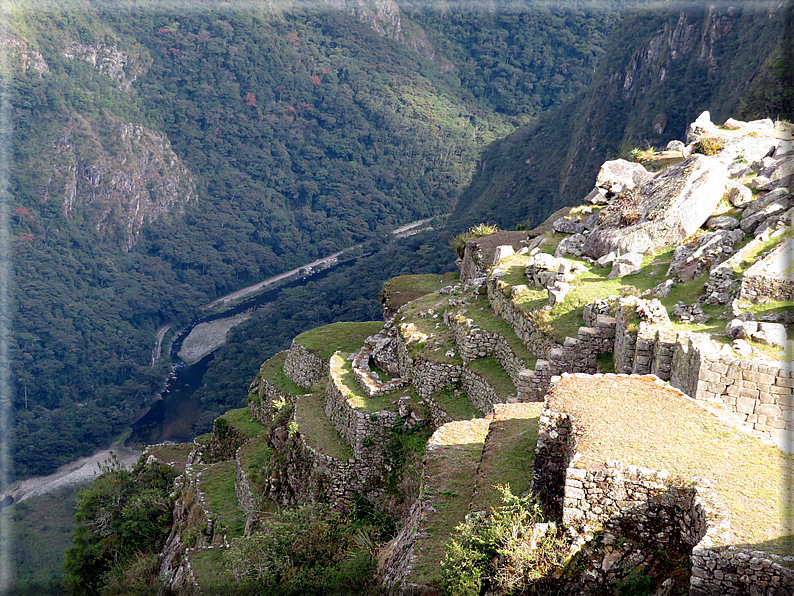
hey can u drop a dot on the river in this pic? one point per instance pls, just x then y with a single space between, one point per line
172 417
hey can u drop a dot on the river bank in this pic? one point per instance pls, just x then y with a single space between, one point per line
75 472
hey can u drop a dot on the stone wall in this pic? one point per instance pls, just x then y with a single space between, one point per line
394 564
474 342
303 367
758 392
479 391
261 397
735 572
366 432
309 476
246 499
646 505
535 341
771 278
553 453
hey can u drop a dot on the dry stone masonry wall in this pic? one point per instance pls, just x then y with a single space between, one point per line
366 432
649 505
303 367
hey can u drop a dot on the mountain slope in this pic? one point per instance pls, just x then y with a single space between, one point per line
661 70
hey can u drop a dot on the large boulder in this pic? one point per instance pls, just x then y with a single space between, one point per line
780 172
619 175
662 211
766 209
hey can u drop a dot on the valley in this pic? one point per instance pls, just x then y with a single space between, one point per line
168 163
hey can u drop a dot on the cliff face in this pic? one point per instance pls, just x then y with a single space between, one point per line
111 173
118 187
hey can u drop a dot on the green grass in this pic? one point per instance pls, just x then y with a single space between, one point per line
405 288
272 371
203 439
433 342
755 255
509 455
497 378
255 455
450 475
345 337
480 312
173 454
205 564
241 420
355 394
217 482
457 407
564 320
318 431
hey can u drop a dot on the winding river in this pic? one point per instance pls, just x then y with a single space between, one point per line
172 417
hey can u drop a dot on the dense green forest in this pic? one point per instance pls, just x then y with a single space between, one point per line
280 135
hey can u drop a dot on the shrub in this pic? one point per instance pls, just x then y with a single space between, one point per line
482 229
504 552
707 146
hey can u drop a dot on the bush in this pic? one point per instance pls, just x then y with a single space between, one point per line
707 146
506 551
482 229
122 517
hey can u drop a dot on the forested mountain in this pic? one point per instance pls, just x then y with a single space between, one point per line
166 154
663 68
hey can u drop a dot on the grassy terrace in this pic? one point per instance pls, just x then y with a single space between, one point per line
457 407
345 337
217 482
428 337
564 320
272 371
255 455
480 312
317 429
405 288
205 564
450 473
241 420
343 369
509 454
497 378
176 455
641 423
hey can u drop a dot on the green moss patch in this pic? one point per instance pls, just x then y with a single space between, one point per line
345 337
318 431
639 422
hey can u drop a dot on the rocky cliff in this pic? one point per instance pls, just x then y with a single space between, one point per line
114 174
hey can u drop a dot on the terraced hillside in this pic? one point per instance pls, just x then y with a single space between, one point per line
420 419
